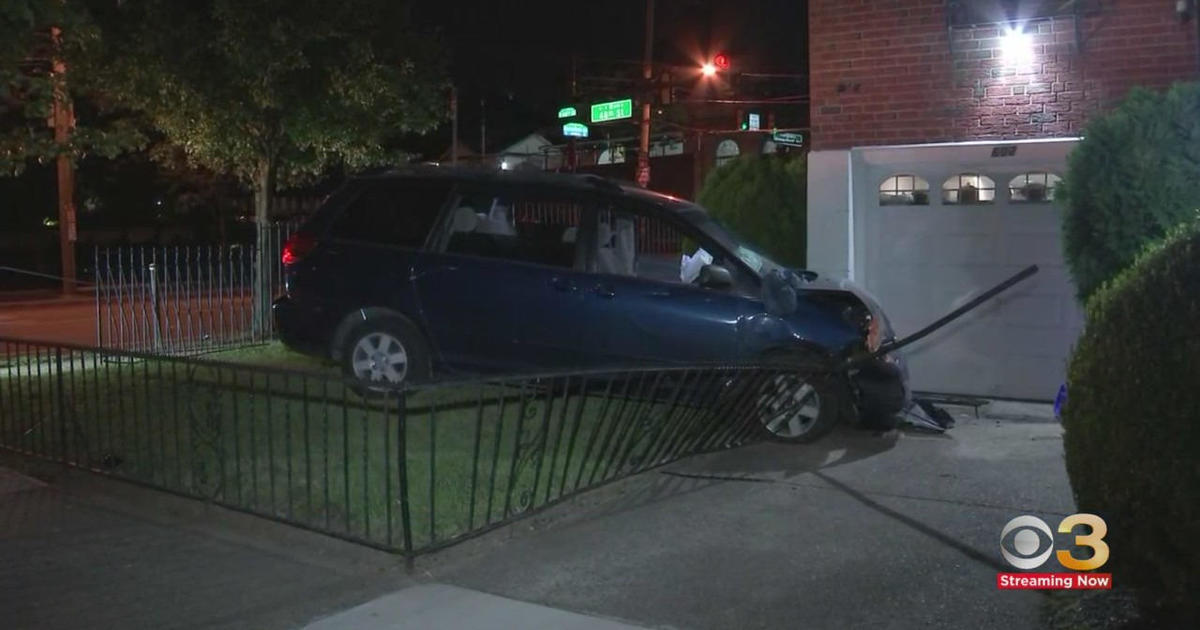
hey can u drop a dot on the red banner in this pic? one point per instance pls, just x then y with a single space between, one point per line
1053 581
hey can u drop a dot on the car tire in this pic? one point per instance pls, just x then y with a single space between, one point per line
799 403
385 353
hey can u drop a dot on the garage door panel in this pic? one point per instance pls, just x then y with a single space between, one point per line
1032 219
1036 378
1024 248
1035 342
924 261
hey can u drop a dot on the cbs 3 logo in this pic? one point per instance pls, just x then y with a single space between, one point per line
1030 534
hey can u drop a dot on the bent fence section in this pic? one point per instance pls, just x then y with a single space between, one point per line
408 470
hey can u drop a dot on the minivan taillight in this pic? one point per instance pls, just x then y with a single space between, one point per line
297 247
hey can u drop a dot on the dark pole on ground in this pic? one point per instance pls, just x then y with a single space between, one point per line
643 172
63 119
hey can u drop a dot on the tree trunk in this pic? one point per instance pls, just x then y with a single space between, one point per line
264 255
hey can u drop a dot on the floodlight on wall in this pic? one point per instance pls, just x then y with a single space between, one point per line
1016 47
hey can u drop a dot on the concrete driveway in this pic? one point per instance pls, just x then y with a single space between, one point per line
898 530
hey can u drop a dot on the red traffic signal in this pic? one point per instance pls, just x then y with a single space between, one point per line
721 61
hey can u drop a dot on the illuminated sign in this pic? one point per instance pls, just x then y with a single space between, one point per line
567 112
754 122
613 110
575 130
788 138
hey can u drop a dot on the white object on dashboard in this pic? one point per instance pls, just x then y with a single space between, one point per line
690 266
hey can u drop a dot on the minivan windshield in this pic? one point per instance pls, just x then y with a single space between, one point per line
759 263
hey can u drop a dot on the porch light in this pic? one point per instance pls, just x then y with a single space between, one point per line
1016 47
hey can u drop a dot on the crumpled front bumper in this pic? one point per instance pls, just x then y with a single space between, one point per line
881 386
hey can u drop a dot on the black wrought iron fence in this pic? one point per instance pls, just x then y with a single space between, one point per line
406 470
184 299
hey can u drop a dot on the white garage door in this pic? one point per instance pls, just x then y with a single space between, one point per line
922 261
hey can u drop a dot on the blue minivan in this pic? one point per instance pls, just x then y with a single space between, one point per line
419 273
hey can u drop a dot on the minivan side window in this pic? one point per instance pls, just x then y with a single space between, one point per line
643 245
529 228
397 213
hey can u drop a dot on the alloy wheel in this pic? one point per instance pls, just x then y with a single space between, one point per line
380 358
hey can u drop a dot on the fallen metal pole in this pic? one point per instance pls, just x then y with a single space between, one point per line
951 316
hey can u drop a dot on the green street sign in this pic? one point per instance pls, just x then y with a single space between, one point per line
567 112
575 130
790 138
612 110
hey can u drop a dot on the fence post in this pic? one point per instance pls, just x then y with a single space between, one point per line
96 293
402 466
62 406
154 307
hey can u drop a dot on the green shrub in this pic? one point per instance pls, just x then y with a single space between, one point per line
1135 175
1132 422
764 200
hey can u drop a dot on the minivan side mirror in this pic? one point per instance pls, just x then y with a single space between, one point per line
715 277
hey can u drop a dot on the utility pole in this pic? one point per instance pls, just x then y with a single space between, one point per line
571 161
483 129
62 118
453 125
643 169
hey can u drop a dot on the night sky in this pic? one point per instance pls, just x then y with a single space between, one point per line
517 54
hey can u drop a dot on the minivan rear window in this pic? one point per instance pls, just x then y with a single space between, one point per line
392 213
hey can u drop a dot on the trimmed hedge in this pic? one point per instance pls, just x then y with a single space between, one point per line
1135 175
1132 423
764 199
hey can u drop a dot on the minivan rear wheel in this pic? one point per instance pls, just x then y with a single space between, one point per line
383 354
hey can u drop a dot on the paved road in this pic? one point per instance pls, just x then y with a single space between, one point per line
70 320
183 320
859 531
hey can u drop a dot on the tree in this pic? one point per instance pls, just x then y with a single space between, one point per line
33 66
1134 176
764 199
275 90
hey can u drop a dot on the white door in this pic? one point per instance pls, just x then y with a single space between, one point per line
922 261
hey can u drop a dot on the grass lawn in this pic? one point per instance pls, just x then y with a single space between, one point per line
305 447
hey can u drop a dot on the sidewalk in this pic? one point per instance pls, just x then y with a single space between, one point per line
84 552
87 552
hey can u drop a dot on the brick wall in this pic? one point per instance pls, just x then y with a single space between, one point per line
882 71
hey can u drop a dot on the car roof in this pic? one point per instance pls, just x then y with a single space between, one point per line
580 182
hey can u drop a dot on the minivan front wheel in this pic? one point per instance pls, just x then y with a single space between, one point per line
797 404
385 353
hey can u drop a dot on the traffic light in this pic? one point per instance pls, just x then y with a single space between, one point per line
720 61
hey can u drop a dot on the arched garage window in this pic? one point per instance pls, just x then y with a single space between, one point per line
726 151
904 190
968 188
1033 187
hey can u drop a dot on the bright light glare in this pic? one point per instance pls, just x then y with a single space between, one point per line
1016 47
708 70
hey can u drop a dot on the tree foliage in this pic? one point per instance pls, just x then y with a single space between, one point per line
1135 175
764 199
275 90
33 65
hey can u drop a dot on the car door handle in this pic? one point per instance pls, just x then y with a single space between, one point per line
604 290
564 285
